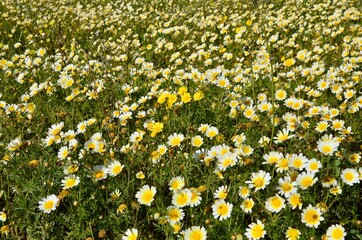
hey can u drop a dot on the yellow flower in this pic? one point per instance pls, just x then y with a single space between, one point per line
289 62
121 208
197 141
186 97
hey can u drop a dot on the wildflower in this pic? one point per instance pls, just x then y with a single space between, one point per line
174 214
115 168
186 97
282 136
203 128
350 176
3 216
15 144
295 200
337 124
354 158
81 127
70 181
175 139
198 96
41 52
221 209
306 180
286 187
197 141
195 197
255 230
292 234
246 150
244 191
312 216
221 192
146 195
99 172
121 208
289 62
136 137
327 146
211 132
4 230
63 153
336 190
272 157
114 195
282 164
48 204
247 205
130 234
275 204
249 112
156 128
176 183
280 94
226 160
259 180
321 126
313 165
56 128
195 233
140 175
336 232
181 198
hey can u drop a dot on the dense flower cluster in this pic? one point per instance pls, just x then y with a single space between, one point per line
180 119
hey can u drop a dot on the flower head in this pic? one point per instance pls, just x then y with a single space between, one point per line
292 234
350 176
176 183
195 233
146 195
130 234
312 216
70 181
221 209
182 198
259 180
336 232
48 204
174 214
275 204
115 168
255 230
247 205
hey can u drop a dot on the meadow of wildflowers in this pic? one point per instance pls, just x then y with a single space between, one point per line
180 119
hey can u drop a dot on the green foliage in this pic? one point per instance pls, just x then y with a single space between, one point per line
99 99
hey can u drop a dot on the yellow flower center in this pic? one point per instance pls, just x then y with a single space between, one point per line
222 209
70 182
257 231
259 182
195 235
147 196
326 149
48 205
349 176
